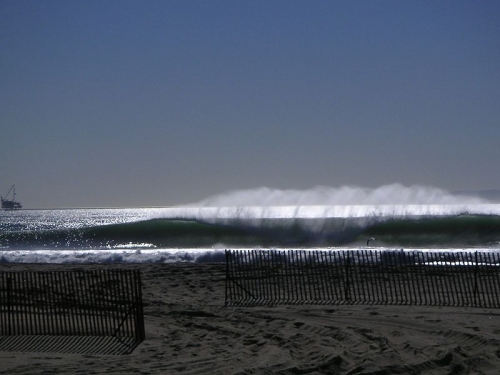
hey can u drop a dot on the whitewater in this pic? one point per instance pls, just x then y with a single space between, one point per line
391 217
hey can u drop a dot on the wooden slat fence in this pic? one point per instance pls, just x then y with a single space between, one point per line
263 277
72 303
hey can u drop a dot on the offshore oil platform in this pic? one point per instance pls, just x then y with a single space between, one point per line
11 204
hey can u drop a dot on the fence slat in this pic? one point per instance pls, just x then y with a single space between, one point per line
362 276
72 303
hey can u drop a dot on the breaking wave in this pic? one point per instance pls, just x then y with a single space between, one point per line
460 230
391 216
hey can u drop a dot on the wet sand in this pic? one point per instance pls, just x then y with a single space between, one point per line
189 331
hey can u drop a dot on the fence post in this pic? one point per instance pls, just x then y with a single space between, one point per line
227 277
475 279
9 292
347 294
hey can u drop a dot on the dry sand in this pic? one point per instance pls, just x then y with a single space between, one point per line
189 331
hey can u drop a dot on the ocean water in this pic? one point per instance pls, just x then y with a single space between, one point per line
202 233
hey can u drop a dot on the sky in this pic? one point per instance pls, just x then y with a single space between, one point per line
124 103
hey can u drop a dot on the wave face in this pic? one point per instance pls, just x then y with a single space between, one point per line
406 231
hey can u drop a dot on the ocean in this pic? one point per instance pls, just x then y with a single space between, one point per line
201 234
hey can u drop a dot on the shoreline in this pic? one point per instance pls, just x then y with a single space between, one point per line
190 331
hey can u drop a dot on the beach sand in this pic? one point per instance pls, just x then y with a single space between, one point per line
189 331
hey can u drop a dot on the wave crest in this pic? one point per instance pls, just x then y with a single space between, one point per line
392 194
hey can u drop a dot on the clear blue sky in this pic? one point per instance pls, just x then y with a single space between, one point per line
155 103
